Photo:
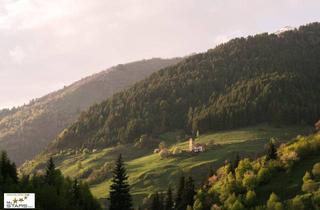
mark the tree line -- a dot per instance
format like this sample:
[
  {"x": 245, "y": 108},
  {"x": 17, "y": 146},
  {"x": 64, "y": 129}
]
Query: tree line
[{"x": 52, "y": 190}]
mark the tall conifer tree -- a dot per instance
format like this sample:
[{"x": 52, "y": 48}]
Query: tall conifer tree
[
  {"x": 120, "y": 198},
  {"x": 169, "y": 200}
]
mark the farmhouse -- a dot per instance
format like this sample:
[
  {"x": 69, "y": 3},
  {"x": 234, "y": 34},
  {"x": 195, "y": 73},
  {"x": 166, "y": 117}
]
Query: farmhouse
[{"x": 194, "y": 147}]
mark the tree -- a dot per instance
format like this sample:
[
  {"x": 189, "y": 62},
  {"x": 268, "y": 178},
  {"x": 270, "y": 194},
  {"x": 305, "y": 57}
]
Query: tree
[
  {"x": 274, "y": 202},
  {"x": 8, "y": 170},
  {"x": 189, "y": 193},
  {"x": 264, "y": 175},
  {"x": 120, "y": 197},
  {"x": 52, "y": 174},
  {"x": 297, "y": 204},
  {"x": 76, "y": 194},
  {"x": 169, "y": 200},
  {"x": 237, "y": 206},
  {"x": 155, "y": 204},
  {"x": 316, "y": 169},
  {"x": 249, "y": 180},
  {"x": 250, "y": 197},
  {"x": 309, "y": 185},
  {"x": 271, "y": 150},
  {"x": 235, "y": 163},
  {"x": 179, "y": 196}
]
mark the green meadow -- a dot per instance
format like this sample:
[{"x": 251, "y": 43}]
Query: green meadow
[{"x": 148, "y": 172}]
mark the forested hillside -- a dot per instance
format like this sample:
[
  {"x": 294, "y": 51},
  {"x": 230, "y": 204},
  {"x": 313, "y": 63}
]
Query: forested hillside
[
  {"x": 263, "y": 78},
  {"x": 26, "y": 130},
  {"x": 286, "y": 177}
]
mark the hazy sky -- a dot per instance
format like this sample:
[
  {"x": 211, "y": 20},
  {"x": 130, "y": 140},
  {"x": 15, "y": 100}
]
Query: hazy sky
[{"x": 45, "y": 44}]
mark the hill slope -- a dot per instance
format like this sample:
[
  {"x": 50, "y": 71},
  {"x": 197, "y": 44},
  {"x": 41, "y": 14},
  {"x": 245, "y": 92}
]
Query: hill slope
[
  {"x": 287, "y": 180},
  {"x": 263, "y": 78},
  {"x": 149, "y": 172},
  {"x": 25, "y": 131}
]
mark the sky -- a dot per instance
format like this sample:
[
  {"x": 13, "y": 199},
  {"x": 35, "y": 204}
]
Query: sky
[{"x": 46, "y": 44}]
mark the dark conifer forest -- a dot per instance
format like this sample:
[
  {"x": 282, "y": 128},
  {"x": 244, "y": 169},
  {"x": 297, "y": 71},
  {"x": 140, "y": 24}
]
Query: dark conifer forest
[{"x": 262, "y": 78}]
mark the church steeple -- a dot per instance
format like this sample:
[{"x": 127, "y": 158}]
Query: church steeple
[{"x": 191, "y": 144}]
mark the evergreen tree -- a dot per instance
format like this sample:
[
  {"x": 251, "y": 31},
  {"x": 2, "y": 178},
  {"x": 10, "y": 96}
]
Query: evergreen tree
[
  {"x": 120, "y": 198},
  {"x": 76, "y": 193},
  {"x": 179, "y": 197},
  {"x": 155, "y": 202},
  {"x": 51, "y": 173},
  {"x": 235, "y": 163},
  {"x": 189, "y": 193},
  {"x": 169, "y": 200},
  {"x": 271, "y": 150}
]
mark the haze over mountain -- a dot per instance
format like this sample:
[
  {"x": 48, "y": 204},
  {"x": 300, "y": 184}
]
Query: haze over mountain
[{"x": 25, "y": 131}]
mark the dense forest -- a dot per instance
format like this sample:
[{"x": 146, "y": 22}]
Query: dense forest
[
  {"x": 52, "y": 190},
  {"x": 263, "y": 78},
  {"x": 26, "y": 130}
]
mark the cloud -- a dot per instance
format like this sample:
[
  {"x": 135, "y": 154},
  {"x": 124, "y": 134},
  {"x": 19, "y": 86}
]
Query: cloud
[
  {"x": 26, "y": 14},
  {"x": 48, "y": 42},
  {"x": 17, "y": 54}
]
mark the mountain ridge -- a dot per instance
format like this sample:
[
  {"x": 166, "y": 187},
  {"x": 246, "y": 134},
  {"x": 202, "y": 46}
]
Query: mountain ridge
[
  {"x": 246, "y": 81},
  {"x": 42, "y": 119}
]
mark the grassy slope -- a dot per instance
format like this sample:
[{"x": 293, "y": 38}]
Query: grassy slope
[{"x": 148, "y": 172}]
